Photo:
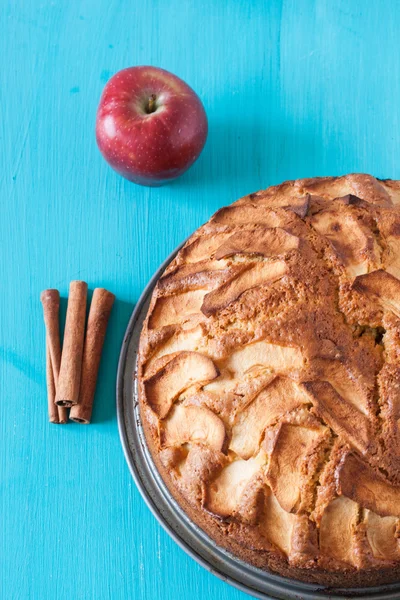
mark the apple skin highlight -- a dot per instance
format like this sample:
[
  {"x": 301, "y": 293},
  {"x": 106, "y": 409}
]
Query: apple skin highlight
[{"x": 150, "y": 125}]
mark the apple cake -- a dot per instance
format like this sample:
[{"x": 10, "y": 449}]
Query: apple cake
[{"x": 269, "y": 379}]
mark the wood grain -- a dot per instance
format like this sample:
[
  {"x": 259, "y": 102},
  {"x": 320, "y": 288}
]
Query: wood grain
[{"x": 292, "y": 89}]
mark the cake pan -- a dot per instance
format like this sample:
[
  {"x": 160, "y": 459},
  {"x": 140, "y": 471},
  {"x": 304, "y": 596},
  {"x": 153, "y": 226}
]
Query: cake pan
[{"x": 173, "y": 519}]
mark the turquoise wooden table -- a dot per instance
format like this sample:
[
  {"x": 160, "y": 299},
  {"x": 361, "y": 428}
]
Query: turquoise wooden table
[{"x": 292, "y": 88}]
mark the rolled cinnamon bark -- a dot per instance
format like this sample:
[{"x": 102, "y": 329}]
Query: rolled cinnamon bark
[
  {"x": 51, "y": 303},
  {"x": 51, "y": 388},
  {"x": 62, "y": 415},
  {"x": 71, "y": 360},
  {"x": 51, "y": 306},
  {"x": 99, "y": 314}
]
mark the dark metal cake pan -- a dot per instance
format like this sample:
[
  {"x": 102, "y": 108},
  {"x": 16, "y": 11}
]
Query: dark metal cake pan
[{"x": 167, "y": 511}]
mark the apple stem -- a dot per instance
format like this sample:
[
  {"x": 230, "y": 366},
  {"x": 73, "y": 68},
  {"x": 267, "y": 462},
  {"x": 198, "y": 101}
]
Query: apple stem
[{"x": 151, "y": 104}]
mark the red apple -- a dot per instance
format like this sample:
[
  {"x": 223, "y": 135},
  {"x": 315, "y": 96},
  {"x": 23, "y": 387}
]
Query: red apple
[{"x": 150, "y": 126}]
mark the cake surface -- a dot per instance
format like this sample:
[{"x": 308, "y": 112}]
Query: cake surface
[{"x": 269, "y": 379}]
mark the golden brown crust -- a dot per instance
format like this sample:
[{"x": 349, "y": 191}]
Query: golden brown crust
[{"x": 269, "y": 379}]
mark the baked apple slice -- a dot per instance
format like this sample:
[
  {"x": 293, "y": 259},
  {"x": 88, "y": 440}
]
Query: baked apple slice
[
  {"x": 343, "y": 418},
  {"x": 336, "y": 533},
  {"x": 183, "y": 340},
  {"x": 381, "y": 286},
  {"x": 277, "y": 525},
  {"x": 389, "y": 229},
  {"x": 278, "y": 398},
  {"x": 172, "y": 310},
  {"x": 354, "y": 243},
  {"x": 296, "y": 204},
  {"x": 203, "y": 246},
  {"x": 391, "y": 255},
  {"x": 182, "y": 372},
  {"x": 255, "y": 275},
  {"x": 192, "y": 424},
  {"x": 383, "y": 536},
  {"x": 242, "y": 214},
  {"x": 205, "y": 274},
  {"x": 224, "y": 493},
  {"x": 263, "y": 355},
  {"x": 361, "y": 483},
  {"x": 287, "y": 468},
  {"x": 294, "y": 535},
  {"x": 200, "y": 466},
  {"x": 259, "y": 240},
  {"x": 352, "y": 387}
]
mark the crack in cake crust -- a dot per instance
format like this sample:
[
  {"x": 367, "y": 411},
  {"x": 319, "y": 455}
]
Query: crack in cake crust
[{"x": 269, "y": 379}]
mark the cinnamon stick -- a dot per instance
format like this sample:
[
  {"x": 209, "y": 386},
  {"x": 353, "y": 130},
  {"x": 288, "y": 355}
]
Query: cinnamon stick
[
  {"x": 57, "y": 414},
  {"x": 51, "y": 303},
  {"x": 51, "y": 388},
  {"x": 51, "y": 306},
  {"x": 71, "y": 360},
  {"x": 99, "y": 314}
]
